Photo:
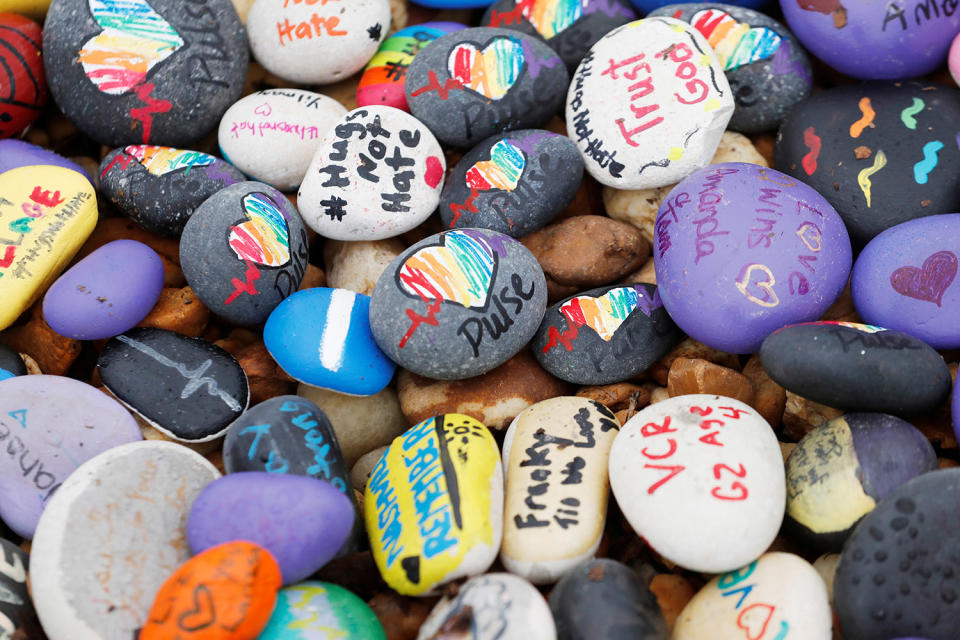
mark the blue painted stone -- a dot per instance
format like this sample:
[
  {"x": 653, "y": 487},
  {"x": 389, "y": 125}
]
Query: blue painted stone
[
  {"x": 322, "y": 337},
  {"x": 315, "y": 610},
  {"x": 17, "y": 153}
]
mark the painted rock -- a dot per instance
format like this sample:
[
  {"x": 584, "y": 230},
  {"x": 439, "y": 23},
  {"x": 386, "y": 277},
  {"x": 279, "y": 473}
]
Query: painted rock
[
  {"x": 434, "y": 504},
  {"x": 896, "y": 572},
  {"x": 145, "y": 71},
  {"x": 159, "y": 188},
  {"x": 881, "y": 153},
  {"x": 902, "y": 280},
  {"x": 454, "y": 4},
  {"x": 458, "y": 304},
  {"x": 874, "y": 39},
  {"x": 648, "y": 6},
  {"x": 472, "y": 84},
  {"x": 108, "y": 292},
  {"x": 46, "y": 214},
  {"x": 22, "y": 80},
  {"x": 224, "y": 593},
  {"x": 856, "y": 367},
  {"x": 300, "y": 520},
  {"x": 376, "y": 174},
  {"x": 953, "y": 59},
  {"x": 321, "y": 610},
  {"x": 697, "y": 463},
  {"x": 51, "y": 425},
  {"x": 289, "y": 39},
  {"x": 774, "y": 252},
  {"x": 19, "y": 153},
  {"x": 117, "y": 522},
  {"x": 11, "y": 363},
  {"x": 385, "y": 76},
  {"x": 513, "y": 182},
  {"x": 495, "y": 605},
  {"x": 555, "y": 456},
  {"x": 188, "y": 388},
  {"x": 605, "y": 335},
  {"x": 839, "y": 471},
  {"x": 569, "y": 27},
  {"x": 603, "y": 598},
  {"x": 271, "y": 135},
  {"x": 779, "y": 595},
  {"x": 17, "y": 617},
  {"x": 768, "y": 70},
  {"x": 648, "y": 104},
  {"x": 322, "y": 337},
  {"x": 243, "y": 251}
]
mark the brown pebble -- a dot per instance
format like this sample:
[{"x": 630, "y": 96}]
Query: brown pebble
[
  {"x": 620, "y": 396},
  {"x": 53, "y": 352},
  {"x": 313, "y": 277},
  {"x": 401, "y": 616},
  {"x": 690, "y": 348},
  {"x": 694, "y": 375},
  {"x": 178, "y": 310},
  {"x": 673, "y": 592},
  {"x": 800, "y": 416},
  {"x": 267, "y": 380},
  {"x": 769, "y": 398}
]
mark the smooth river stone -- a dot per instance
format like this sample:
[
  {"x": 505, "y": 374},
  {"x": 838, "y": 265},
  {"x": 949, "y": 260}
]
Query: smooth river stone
[
  {"x": 46, "y": 214},
  {"x": 108, "y": 292},
  {"x": 882, "y": 153},
  {"x": 648, "y": 104},
  {"x": 497, "y": 605},
  {"x": 700, "y": 463},
  {"x": 20, "y": 153},
  {"x": 51, "y": 425},
  {"x": 159, "y": 188},
  {"x": 856, "y": 367},
  {"x": 17, "y": 616},
  {"x": 25, "y": 87},
  {"x": 244, "y": 251},
  {"x": 271, "y": 135},
  {"x": 839, "y": 471},
  {"x": 471, "y": 84},
  {"x": 377, "y": 173},
  {"x": 320, "y": 610},
  {"x": 898, "y": 571},
  {"x": 604, "y": 598},
  {"x": 780, "y": 595},
  {"x": 187, "y": 388},
  {"x": 902, "y": 280},
  {"x": 605, "y": 335},
  {"x": 513, "y": 182},
  {"x": 774, "y": 253},
  {"x": 111, "y": 536},
  {"x": 555, "y": 456},
  {"x": 434, "y": 504},
  {"x": 458, "y": 304},
  {"x": 11, "y": 363}
]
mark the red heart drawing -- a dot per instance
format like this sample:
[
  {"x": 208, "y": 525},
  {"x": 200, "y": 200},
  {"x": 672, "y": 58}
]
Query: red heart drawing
[
  {"x": 755, "y": 624},
  {"x": 930, "y": 281}
]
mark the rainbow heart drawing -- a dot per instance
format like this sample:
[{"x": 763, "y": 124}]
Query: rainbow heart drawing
[
  {"x": 502, "y": 171},
  {"x": 460, "y": 271},
  {"x": 160, "y": 161},
  {"x": 490, "y": 71},
  {"x": 263, "y": 238},
  {"x": 735, "y": 43},
  {"x": 604, "y": 314},
  {"x": 135, "y": 38},
  {"x": 550, "y": 17}
]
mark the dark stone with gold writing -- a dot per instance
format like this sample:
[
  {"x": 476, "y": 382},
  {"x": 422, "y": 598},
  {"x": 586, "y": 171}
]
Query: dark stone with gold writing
[
  {"x": 11, "y": 364},
  {"x": 857, "y": 367},
  {"x": 17, "y": 617}
]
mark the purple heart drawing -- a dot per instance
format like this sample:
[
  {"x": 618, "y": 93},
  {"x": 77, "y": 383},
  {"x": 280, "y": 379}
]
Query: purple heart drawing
[{"x": 930, "y": 281}]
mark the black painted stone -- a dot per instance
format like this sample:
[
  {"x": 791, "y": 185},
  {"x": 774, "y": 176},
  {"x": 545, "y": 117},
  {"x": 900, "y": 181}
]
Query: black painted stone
[
  {"x": 606, "y": 599},
  {"x": 897, "y": 575},
  {"x": 856, "y": 369},
  {"x": 11, "y": 361},
  {"x": 637, "y": 341},
  {"x": 571, "y": 41},
  {"x": 239, "y": 265},
  {"x": 188, "y": 388},
  {"x": 545, "y": 173},
  {"x": 15, "y": 603},
  {"x": 764, "y": 90},
  {"x": 826, "y": 122},
  {"x": 159, "y": 199},
  {"x": 182, "y": 95},
  {"x": 461, "y": 116}
]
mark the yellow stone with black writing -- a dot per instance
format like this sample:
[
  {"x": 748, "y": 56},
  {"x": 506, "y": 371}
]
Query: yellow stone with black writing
[
  {"x": 434, "y": 504},
  {"x": 46, "y": 214}
]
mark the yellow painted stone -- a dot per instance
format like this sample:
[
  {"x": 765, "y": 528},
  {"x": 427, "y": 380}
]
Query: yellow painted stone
[
  {"x": 35, "y": 9},
  {"x": 434, "y": 504},
  {"x": 46, "y": 214}
]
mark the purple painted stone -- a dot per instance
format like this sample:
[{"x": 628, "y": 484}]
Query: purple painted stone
[
  {"x": 301, "y": 520},
  {"x": 49, "y": 426},
  {"x": 741, "y": 251},
  {"x": 108, "y": 292},
  {"x": 874, "y": 39},
  {"x": 905, "y": 280},
  {"x": 17, "y": 153}
]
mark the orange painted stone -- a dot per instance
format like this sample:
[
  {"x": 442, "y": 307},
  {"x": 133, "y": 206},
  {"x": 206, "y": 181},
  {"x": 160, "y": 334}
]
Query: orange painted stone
[{"x": 225, "y": 593}]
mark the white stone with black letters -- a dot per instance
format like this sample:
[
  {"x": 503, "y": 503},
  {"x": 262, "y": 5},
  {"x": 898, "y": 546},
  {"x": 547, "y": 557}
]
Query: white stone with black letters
[{"x": 648, "y": 104}]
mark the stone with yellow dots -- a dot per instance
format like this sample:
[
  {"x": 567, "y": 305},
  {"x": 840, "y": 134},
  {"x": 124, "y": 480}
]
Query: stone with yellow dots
[
  {"x": 323, "y": 611},
  {"x": 46, "y": 214},
  {"x": 434, "y": 504}
]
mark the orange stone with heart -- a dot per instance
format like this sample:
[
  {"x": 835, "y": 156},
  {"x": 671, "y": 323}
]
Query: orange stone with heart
[{"x": 225, "y": 593}]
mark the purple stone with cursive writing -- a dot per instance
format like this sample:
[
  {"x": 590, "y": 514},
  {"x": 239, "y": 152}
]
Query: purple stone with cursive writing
[{"x": 741, "y": 250}]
